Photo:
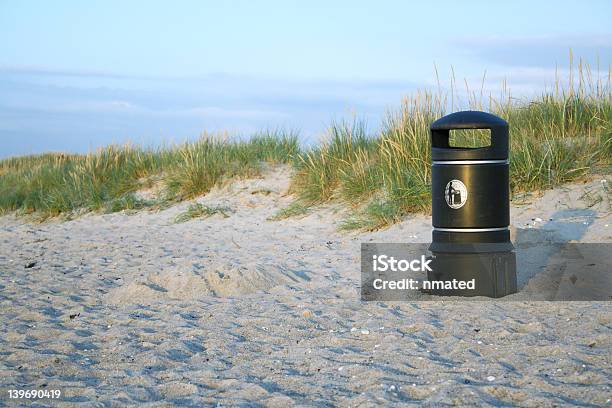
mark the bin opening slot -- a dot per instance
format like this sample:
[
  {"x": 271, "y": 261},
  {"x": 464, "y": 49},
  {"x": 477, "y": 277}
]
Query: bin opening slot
[{"x": 469, "y": 138}]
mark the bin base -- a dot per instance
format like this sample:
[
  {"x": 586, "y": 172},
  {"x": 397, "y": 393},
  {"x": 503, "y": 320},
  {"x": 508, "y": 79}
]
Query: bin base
[{"x": 493, "y": 274}]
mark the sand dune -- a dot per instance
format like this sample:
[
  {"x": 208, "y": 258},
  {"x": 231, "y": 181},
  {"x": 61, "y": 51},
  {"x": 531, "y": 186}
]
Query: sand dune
[{"x": 136, "y": 309}]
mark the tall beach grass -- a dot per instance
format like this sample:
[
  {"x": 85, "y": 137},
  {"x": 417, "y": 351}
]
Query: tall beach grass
[
  {"x": 557, "y": 137},
  {"x": 52, "y": 184},
  {"x": 561, "y": 135}
]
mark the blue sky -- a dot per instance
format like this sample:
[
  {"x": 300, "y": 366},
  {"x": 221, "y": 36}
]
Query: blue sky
[{"x": 76, "y": 75}]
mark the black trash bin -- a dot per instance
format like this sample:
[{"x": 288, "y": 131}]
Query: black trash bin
[{"x": 471, "y": 209}]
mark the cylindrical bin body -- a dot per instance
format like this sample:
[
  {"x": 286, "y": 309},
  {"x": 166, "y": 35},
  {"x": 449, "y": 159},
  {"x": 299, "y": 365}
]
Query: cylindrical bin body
[{"x": 471, "y": 208}]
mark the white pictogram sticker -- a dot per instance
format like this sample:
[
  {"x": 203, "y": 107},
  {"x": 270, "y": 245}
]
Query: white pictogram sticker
[{"x": 456, "y": 194}]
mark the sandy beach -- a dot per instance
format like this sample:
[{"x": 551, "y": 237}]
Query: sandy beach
[{"x": 238, "y": 310}]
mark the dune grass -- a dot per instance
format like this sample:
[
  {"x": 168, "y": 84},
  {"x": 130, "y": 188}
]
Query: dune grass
[
  {"x": 557, "y": 137},
  {"x": 294, "y": 209},
  {"x": 106, "y": 180},
  {"x": 198, "y": 210}
]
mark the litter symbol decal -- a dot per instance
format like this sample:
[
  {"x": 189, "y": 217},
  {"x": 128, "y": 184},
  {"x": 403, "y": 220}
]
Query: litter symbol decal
[{"x": 456, "y": 194}]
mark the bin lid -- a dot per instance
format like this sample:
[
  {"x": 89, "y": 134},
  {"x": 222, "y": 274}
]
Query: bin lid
[
  {"x": 469, "y": 120},
  {"x": 440, "y": 133}
]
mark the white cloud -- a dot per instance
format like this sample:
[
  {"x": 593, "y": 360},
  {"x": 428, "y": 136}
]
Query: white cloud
[
  {"x": 122, "y": 107},
  {"x": 543, "y": 51},
  {"x": 217, "y": 112}
]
